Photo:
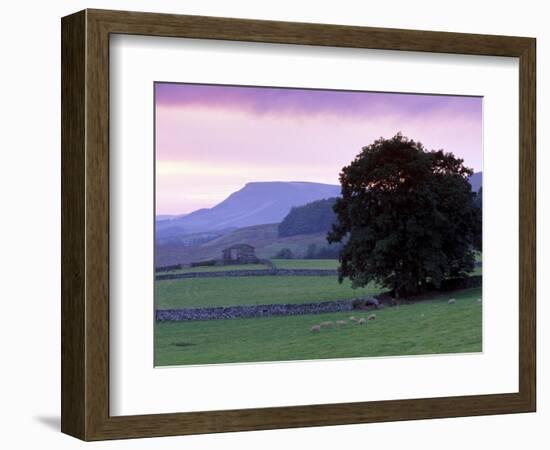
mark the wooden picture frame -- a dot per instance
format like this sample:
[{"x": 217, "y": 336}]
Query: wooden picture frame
[{"x": 85, "y": 224}]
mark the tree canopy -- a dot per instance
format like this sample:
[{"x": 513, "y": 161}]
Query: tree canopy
[
  {"x": 314, "y": 217},
  {"x": 407, "y": 217}
]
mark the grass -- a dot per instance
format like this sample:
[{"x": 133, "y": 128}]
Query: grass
[
  {"x": 427, "y": 327},
  {"x": 306, "y": 263},
  {"x": 265, "y": 239},
  {"x": 231, "y": 291},
  {"x": 279, "y": 263},
  {"x": 478, "y": 270},
  {"x": 218, "y": 268},
  {"x": 333, "y": 264}
]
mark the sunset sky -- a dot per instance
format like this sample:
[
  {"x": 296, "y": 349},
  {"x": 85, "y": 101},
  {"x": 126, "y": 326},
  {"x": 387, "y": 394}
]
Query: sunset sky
[{"x": 211, "y": 140}]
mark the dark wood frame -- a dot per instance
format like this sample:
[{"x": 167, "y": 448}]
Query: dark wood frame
[{"x": 85, "y": 224}]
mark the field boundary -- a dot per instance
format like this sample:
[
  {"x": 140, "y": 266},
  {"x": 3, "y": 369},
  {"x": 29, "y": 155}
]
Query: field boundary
[
  {"x": 250, "y": 311},
  {"x": 250, "y": 273}
]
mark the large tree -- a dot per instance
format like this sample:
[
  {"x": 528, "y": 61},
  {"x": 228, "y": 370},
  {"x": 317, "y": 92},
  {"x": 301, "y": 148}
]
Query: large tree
[{"x": 407, "y": 217}]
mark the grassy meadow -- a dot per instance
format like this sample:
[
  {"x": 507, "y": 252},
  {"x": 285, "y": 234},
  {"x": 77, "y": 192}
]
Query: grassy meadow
[
  {"x": 201, "y": 269},
  {"x": 428, "y": 327},
  {"x": 231, "y": 291},
  {"x": 330, "y": 264}
]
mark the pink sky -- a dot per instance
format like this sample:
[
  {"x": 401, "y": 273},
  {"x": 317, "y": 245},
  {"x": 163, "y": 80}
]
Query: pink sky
[{"x": 211, "y": 140}]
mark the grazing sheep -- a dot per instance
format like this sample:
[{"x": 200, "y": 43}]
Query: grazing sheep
[
  {"x": 362, "y": 321},
  {"x": 353, "y": 318},
  {"x": 341, "y": 323},
  {"x": 451, "y": 301},
  {"x": 327, "y": 324},
  {"x": 371, "y": 317},
  {"x": 315, "y": 328}
]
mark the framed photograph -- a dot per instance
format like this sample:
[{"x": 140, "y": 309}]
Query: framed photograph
[{"x": 273, "y": 225}]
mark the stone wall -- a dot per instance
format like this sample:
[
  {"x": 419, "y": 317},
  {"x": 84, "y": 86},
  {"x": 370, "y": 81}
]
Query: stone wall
[
  {"x": 242, "y": 312},
  {"x": 168, "y": 268},
  {"x": 250, "y": 273},
  {"x": 208, "y": 262},
  {"x": 249, "y": 311}
]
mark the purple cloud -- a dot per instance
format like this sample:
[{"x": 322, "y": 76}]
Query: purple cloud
[
  {"x": 282, "y": 101},
  {"x": 211, "y": 139}
]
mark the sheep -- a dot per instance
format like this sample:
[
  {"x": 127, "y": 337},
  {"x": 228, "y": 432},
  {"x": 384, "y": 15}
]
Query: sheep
[
  {"x": 341, "y": 323},
  {"x": 353, "y": 318},
  {"x": 327, "y": 324},
  {"x": 362, "y": 321},
  {"x": 451, "y": 301},
  {"x": 315, "y": 328},
  {"x": 371, "y": 317}
]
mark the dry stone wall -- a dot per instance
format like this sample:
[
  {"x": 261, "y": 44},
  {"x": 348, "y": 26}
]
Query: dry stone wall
[
  {"x": 242, "y": 312},
  {"x": 250, "y": 273}
]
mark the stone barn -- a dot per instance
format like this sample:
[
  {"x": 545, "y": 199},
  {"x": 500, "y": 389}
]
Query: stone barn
[{"x": 239, "y": 254}]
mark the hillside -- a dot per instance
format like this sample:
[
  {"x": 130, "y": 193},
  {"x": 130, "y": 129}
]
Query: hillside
[
  {"x": 203, "y": 234},
  {"x": 476, "y": 181},
  {"x": 314, "y": 217},
  {"x": 255, "y": 204},
  {"x": 264, "y": 238}
]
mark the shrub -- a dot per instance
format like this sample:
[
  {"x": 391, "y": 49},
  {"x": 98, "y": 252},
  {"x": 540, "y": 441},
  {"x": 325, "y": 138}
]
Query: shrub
[{"x": 284, "y": 253}]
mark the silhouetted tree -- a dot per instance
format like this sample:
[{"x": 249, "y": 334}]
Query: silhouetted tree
[
  {"x": 478, "y": 236},
  {"x": 406, "y": 217}
]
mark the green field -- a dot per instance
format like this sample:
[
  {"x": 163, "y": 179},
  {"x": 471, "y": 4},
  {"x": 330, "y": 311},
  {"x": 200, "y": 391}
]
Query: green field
[
  {"x": 477, "y": 271},
  {"x": 232, "y": 291},
  {"x": 306, "y": 263},
  {"x": 279, "y": 264},
  {"x": 427, "y": 327},
  {"x": 218, "y": 268}
]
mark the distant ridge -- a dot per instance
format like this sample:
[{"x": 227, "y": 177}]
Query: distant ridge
[
  {"x": 255, "y": 204},
  {"x": 476, "y": 181}
]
